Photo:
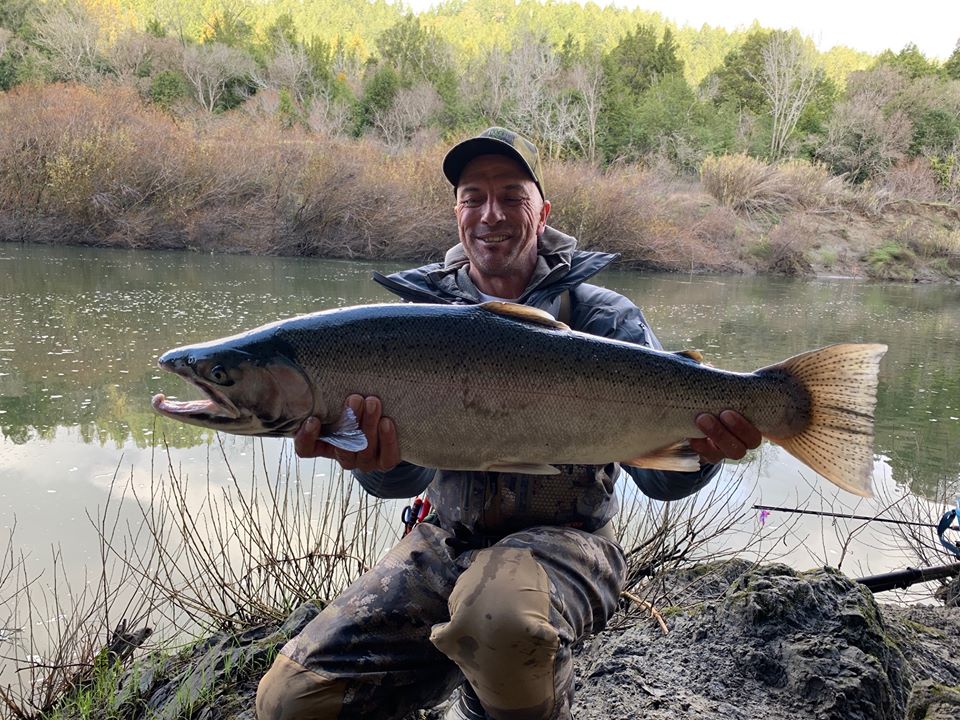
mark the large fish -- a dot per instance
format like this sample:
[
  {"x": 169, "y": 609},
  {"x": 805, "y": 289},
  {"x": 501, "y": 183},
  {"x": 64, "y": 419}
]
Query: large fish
[{"x": 506, "y": 387}]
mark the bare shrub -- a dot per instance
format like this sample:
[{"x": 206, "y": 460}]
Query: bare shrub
[
  {"x": 912, "y": 180},
  {"x": 327, "y": 115},
  {"x": 650, "y": 218},
  {"x": 809, "y": 184},
  {"x": 290, "y": 68},
  {"x": 867, "y": 133},
  {"x": 357, "y": 200},
  {"x": 136, "y": 55},
  {"x": 70, "y": 37},
  {"x": 788, "y": 244},
  {"x": 748, "y": 185},
  {"x": 65, "y": 631},
  {"x": 212, "y": 67},
  {"x": 171, "y": 568},
  {"x": 411, "y": 109},
  {"x": 744, "y": 184}
]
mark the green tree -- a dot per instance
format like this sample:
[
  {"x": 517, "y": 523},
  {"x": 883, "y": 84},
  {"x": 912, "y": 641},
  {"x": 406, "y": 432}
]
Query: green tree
[
  {"x": 167, "y": 87},
  {"x": 909, "y": 61},
  {"x": 379, "y": 92},
  {"x": 413, "y": 51},
  {"x": 935, "y": 133},
  {"x": 952, "y": 66},
  {"x": 631, "y": 68},
  {"x": 735, "y": 83},
  {"x": 282, "y": 30},
  {"x": 229, "y": 25}
]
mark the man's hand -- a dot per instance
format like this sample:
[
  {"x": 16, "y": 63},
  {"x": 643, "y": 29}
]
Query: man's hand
[
  {"x": 382, "y": 452},
  {"x": 728, "y": 435}
]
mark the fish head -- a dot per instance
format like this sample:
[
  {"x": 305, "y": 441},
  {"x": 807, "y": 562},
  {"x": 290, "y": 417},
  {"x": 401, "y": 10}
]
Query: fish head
[{"x": 246, "y": 393}]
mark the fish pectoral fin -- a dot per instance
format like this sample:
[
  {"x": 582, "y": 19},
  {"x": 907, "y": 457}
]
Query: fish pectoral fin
[
  {"x": 679, "y": 457},
  {"x": 346, "y": 433},
  {"x": 524, "y": 313},
  {"x": 523, "y": 468}
]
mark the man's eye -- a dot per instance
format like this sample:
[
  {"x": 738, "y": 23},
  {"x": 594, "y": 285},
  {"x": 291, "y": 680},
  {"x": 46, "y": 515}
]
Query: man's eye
[{"x": 470, "y": 202}]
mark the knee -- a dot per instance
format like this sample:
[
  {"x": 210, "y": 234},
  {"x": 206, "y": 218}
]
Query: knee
[
  {"x": 290, "y": 691},
  {"x": 502, "y": 603}
]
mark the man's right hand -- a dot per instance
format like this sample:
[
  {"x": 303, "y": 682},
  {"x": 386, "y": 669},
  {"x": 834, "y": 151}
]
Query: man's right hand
[{"x": 382, "y": 451}]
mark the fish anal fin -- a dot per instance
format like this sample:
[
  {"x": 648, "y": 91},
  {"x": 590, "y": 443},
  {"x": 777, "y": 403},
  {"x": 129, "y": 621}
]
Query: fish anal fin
[
  {"x": 678, "y": 457},
  {"x": 523, "y": 468},
  {"x": 840, "y": 382},
  {"x": 524, "y": 313}
]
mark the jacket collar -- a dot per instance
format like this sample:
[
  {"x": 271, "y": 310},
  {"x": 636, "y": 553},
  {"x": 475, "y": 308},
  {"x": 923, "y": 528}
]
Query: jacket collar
[{"x": 560, "y": 266}]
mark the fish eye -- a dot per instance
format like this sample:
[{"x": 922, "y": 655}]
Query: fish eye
[{"x": 219, "y": 375}]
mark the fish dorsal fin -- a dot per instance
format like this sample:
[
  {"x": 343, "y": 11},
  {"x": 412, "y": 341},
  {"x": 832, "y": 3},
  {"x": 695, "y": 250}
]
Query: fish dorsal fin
[
  {"x": 694, "y": 355},
  {"x": 524, "y": 313}
]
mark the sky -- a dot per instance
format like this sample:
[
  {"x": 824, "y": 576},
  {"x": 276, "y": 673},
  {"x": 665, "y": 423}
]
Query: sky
[{"x": 932, "y": 25}]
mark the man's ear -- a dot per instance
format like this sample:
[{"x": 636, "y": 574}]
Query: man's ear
[{"x": 544, "y": 214}]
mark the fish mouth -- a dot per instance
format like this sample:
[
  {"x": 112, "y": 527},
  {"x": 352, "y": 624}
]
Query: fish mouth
[{"x": 215, "y": 407}]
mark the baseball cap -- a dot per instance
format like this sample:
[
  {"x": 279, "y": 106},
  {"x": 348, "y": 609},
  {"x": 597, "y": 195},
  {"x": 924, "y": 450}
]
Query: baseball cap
[{"x": 494, "y": 141}]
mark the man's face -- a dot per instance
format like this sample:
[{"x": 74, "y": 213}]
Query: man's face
[{"x": 500, "y": 215}]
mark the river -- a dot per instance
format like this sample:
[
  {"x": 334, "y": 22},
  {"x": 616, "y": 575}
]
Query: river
[{"x": 82, "y": 329}]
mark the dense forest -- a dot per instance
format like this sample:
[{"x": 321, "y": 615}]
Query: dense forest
[{"x": 759, "y": 118}]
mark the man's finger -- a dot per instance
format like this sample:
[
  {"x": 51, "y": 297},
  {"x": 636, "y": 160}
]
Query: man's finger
[
  {"x": 389, "y": 445},
  {"x": 726, "y": 442},
  {"x": 743, "y": 429},
  {"x": 707, "y": 451},
  {"x": 369, "y": 424},
  {"x": 305, "y": 441}
]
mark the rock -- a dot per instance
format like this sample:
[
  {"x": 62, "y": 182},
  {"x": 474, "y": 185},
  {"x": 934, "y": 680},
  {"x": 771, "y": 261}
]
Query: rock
[{"x": 932, "y": 701}]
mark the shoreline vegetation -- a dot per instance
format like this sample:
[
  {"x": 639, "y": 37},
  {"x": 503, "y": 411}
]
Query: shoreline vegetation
[{"x": 98, "y": 167}]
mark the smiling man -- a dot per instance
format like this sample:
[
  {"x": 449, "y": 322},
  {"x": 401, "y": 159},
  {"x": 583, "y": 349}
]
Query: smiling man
[{"x": 493, "y": 593}]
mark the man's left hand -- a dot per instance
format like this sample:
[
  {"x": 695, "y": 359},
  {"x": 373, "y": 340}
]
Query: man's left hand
[{"x": 728, "y": 435}]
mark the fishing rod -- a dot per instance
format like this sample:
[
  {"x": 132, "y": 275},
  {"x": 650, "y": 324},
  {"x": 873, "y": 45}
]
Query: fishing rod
[
  {"x": 822, "y": 513},
  {"x": 905, "y": 578}
]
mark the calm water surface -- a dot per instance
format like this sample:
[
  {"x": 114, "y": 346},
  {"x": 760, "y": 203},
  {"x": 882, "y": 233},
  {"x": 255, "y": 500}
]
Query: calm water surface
[{"x": 82, "y": 329}]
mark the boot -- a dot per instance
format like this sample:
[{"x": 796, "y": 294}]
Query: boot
[{"x": 467, "y": 706}]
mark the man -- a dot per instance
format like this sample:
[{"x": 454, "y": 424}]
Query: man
[{"x": 517, "y": 567}]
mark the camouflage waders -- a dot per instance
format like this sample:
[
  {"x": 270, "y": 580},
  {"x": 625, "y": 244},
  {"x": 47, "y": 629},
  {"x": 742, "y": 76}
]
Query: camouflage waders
[{"x": 437, "y": 609}]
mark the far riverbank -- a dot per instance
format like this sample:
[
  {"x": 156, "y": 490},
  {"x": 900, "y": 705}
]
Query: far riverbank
[{"x": 81, "y": 168}]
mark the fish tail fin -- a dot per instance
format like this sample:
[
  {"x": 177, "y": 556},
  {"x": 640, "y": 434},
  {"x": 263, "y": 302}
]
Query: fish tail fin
[{"x": 841, "y": 381}]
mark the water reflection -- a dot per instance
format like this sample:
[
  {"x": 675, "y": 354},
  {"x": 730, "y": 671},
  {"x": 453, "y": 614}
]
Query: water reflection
[{"x": 83, "y": 329}]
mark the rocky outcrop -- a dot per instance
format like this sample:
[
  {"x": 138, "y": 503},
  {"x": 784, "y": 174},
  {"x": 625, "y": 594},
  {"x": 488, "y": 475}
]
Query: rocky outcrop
[{"x": 743, "y": 642}]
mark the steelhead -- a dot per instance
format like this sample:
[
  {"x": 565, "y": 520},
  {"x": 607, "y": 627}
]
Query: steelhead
[{"x": 505, "y": 387}]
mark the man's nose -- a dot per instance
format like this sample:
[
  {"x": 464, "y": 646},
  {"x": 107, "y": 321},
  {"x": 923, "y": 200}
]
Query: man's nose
[{"x": 492, "y": 212}]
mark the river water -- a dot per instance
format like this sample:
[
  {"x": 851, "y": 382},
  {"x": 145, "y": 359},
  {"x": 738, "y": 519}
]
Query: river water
[{"x": 82, "y": 329}]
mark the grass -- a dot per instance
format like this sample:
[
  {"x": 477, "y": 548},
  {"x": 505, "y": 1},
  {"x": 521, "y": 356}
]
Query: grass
[{"x": 891, "y": 261}]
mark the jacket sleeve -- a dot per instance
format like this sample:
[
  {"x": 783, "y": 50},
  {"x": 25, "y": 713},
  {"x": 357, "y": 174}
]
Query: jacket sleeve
[
  {"x": 602, "y": 312},
  {"x": 668, "y": 485},
  {"x": 404, "y": 481}
]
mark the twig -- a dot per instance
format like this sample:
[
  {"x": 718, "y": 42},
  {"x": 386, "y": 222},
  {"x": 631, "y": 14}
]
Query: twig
[{"x": 654, "y": 613}]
